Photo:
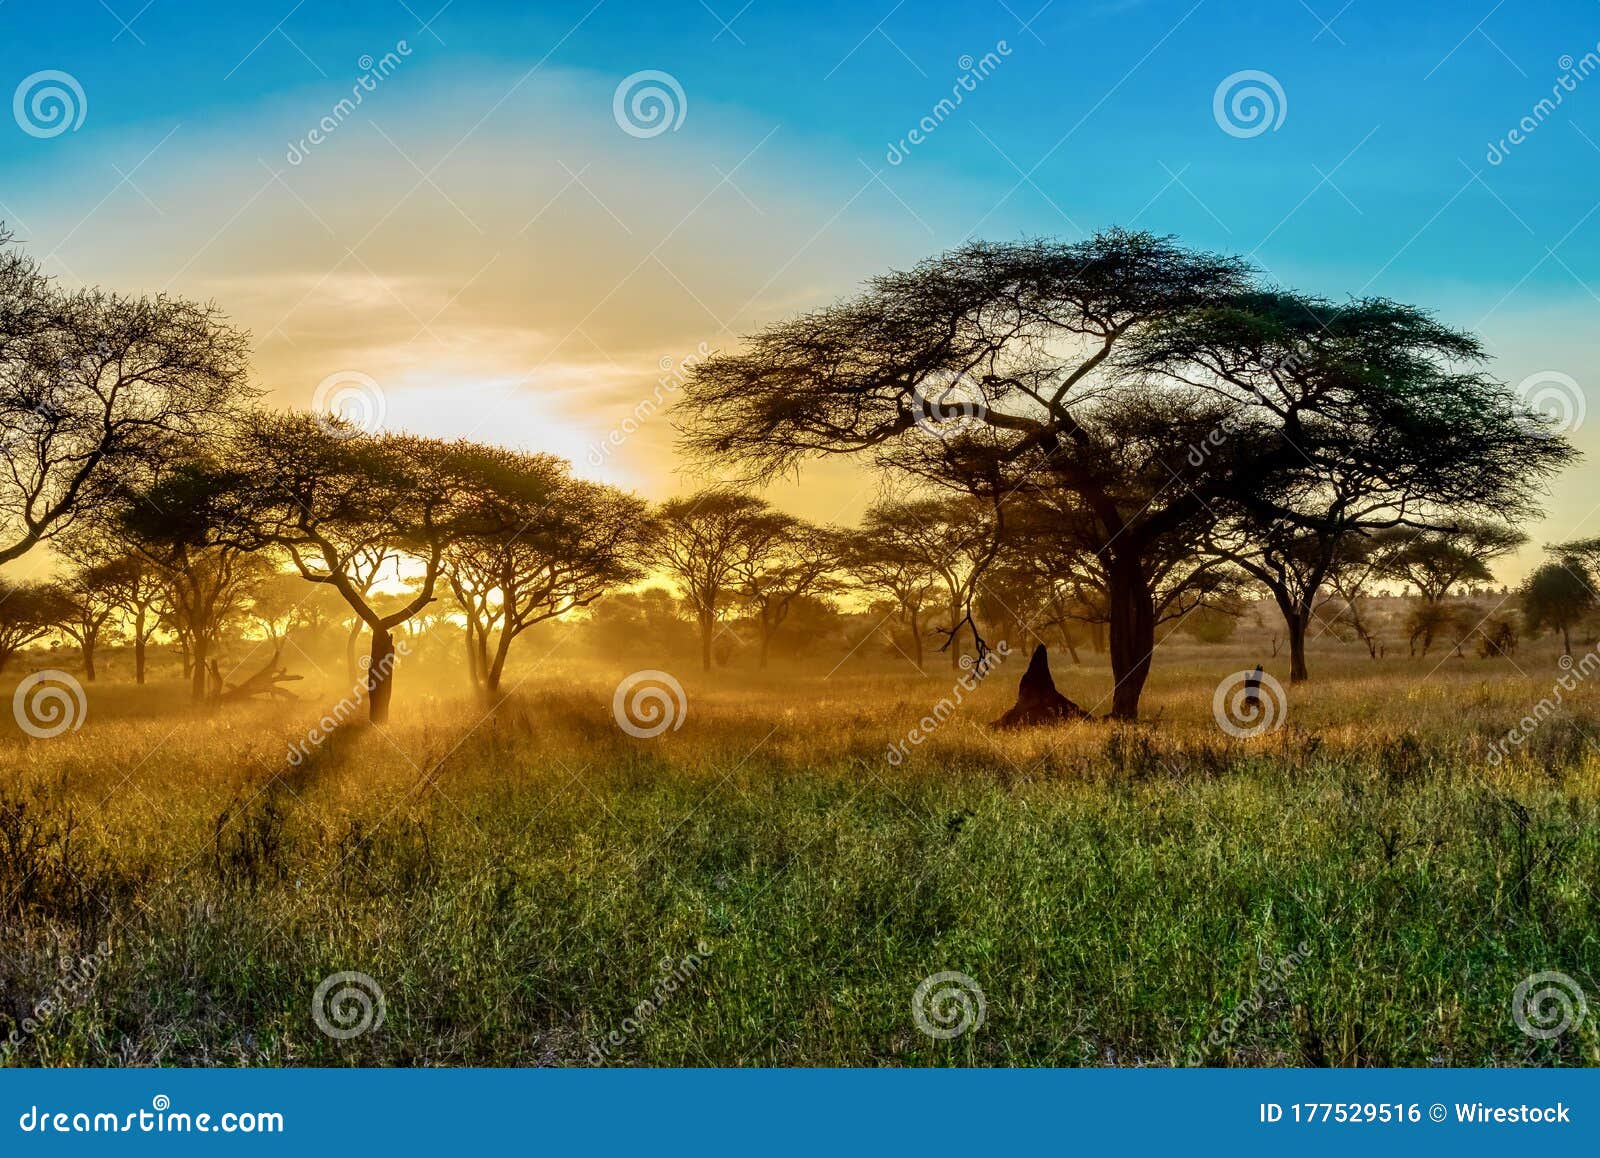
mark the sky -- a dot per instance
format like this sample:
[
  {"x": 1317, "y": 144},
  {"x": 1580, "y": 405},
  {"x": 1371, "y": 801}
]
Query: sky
[{"x": 534, "y": 215}]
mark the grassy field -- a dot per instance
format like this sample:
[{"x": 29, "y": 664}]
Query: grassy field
[{"x": 762, "y": 886}]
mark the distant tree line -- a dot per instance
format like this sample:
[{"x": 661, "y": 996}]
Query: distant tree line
[{"x": 1091, "y": 440}]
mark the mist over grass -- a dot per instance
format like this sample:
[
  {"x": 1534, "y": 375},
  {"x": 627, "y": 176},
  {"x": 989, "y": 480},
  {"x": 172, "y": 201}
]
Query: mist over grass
[{"x": 519, "y": 880}]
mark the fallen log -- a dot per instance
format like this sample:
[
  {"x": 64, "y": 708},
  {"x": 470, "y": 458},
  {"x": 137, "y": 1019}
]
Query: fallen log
[
  {"x": 1038, "y": 702},
  {"x": 263, "y": 683}
]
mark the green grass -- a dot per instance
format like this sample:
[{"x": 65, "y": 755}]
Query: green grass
[{"x": 514, "y": 882}]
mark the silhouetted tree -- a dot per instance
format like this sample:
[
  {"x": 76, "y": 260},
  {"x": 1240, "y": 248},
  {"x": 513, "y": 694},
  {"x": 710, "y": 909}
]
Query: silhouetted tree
[
  {"x": 698, "y": 541},
  {"x": 329, "y": 498},
  {"x": 28, "y": 613},
  {"x": 1031, "y": 357},
  {"x": 1436, "y": 559},
  {"x": 550, "y": 544},
  {"x": 1556, "y": 597},
  {"x": 95, "y": 390}
]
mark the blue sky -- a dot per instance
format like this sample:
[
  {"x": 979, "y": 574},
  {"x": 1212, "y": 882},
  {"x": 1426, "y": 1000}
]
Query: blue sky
[{"x": 543, "y": 254}]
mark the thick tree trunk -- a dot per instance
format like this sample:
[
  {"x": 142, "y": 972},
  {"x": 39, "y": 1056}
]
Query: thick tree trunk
[
  {"x": 87, "y": 648},
  {"x": 955, "y": 638},
  {"x": 1566, "y": 642},
  {"x": 1296, "y": 621},
  {"x": 380, "y": 675},
  {"x": 1133, "y": 635}
]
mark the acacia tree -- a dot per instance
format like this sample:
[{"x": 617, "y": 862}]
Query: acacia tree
[
  {"x": 698, "y": 541},
  {"x": 874, "y": 561},
  {"x": 1396, "y": 434},
  {"x": 86, "y": 598},
  {"x": 1436, "y": 559},
  {"x": 97, "y": 389},
  {"x": 778, "y": 565},
  {"x": 328, "y": 497},
  {"x": 1556, "y": 597},
  {"x": 28, "y": 613},
  {"x": 1047, "y": 345},
  {"x": 177, "y": 527},
  {"x": 952, "y": 539},
  {"x": 547, "y": 544}
]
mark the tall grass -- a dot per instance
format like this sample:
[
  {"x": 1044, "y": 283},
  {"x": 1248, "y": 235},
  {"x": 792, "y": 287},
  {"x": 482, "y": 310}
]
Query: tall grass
[{"x": 520, "y": 882}]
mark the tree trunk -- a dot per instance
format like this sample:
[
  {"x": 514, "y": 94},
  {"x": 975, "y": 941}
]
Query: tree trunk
[
  {"x": 1066, "y": 640},
  {"x": 1566, "y": 642},
  {"x": 1132, "y": 632},
  {"x": 380, "y": 675},
  {"x": 1296, "y": 620},
  {"x": 138, "y": 647},
  {"x": 955, "y": 637},
  {"x": 766, "y": 647},
  {"x": 350, "y": 650},
  {"x": 473, "y": 669},
  {"x": 87, "y": 648},
  {"x": 916, "y": 638},
  {"x": 708, "y": 623},
  {"x": 199, "y": 647}
]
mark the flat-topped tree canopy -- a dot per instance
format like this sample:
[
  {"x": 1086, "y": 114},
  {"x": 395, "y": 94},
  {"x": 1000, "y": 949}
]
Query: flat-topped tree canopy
[{"x": 1160, "y": 387}]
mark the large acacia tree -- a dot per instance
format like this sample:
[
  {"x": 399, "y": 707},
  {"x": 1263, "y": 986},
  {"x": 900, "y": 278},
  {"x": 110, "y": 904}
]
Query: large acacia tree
[
  {"x": 330, "y": 498},
  {"x": 1050, "y": 346},
  {"x": 1389, "y": 427},
  {"x": 96, "y": 391}
]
